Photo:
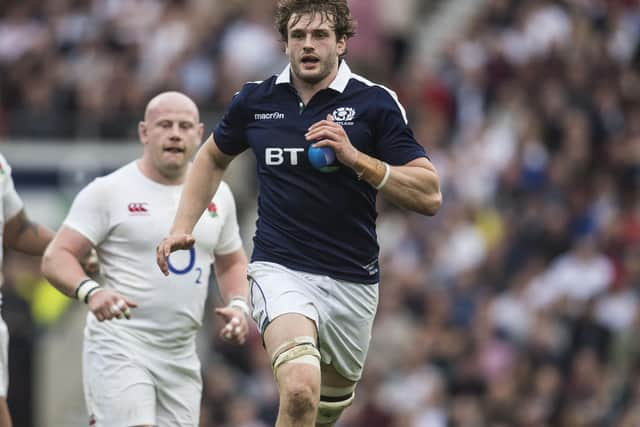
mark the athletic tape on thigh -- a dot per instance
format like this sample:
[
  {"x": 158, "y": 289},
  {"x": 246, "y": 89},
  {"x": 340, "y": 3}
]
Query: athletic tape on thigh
[
  {"x": 334, "y": 400},
  {"x": 329, "y": 391},
  {"x": 297, "y": 350}
]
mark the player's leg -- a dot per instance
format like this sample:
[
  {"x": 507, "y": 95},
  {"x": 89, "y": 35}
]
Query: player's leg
[
  {"x": 346, "y": 321},
  {"x": 336, "y": 394},
  {"x": 290, "y": 340},
  {"x": 284, "y": 309},
  {"x": 5, "y": 416}
]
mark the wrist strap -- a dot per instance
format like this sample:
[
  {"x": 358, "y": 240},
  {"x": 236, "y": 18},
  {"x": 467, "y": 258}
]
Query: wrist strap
[
  {"x": 240, "y": 304},
  {"x": 385, "y": 178},
  {"x": 86, "y": 288},
  {"x": 372, "y": 170}
]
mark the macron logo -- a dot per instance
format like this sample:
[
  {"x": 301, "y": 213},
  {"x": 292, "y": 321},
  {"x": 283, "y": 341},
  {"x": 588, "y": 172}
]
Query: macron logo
[{"x": 269, "y": 116}]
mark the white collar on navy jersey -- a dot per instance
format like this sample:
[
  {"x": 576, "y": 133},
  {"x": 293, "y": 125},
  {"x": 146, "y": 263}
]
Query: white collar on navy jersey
[{"x": 339, "y": 83}]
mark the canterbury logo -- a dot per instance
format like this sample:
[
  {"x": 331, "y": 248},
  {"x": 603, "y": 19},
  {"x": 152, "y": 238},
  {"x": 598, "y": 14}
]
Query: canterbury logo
[{"x": 138, "y": 208}]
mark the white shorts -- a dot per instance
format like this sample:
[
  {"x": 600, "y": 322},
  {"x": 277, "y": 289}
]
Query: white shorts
[
  {"x": 4, "y": 359},
  {"x": 342, "y": 311},
  {"x": 130, "y": 385}
]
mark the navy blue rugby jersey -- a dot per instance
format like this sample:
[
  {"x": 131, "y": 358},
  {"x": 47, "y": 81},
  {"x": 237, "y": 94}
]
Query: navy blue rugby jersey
[{"x": 309, "y": 220}]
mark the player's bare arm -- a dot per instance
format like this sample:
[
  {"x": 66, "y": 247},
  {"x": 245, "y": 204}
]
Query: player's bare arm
[
  {"x": 61, "y": 265},
  {"x": 31, "y": 238},
  {"x": 24, "y": 235},
  {"x": 231, "y": 273},
  {"x": 414, "y": 186},
  {"x": 200, "y": 185}
]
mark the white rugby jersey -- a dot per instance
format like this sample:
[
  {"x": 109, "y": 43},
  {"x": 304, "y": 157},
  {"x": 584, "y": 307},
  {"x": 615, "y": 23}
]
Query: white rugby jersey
[
  {"x": 11, "y": 203},
  {"x": 125, "y": 215}
]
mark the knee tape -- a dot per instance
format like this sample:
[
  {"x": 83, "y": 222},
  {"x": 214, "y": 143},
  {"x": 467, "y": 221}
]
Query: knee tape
[
  {"x": 334, "y": 400},
  {"x": 297, "y": 350}
]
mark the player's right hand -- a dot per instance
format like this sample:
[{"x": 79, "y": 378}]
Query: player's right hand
[
  {"x": 236, "y": 326},
  {"x": 108, "y": 304},
  {"x": 172, "y": 243}
]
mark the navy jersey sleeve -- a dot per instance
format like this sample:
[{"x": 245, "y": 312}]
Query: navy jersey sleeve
[
  {"x": 230, "y": 134},
  {"x": 395, "y": 142}
]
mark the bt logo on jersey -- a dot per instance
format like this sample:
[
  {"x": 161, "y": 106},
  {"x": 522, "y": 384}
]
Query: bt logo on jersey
[{"x": 274, "y": 156}]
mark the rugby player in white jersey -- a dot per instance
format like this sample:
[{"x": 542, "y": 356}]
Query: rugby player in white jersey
[
  {"x": 18, "y": 233},
  {"x": 139, "y": 360}
]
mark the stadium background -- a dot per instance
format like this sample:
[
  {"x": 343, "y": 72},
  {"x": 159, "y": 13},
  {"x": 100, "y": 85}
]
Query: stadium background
[{"x": 516, "y": 305}]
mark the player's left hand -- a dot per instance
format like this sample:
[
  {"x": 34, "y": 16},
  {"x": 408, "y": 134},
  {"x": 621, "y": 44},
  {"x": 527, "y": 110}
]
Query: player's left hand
[
  {"x": 328, "y": 133},
  {"x": 236, "y": 325}
]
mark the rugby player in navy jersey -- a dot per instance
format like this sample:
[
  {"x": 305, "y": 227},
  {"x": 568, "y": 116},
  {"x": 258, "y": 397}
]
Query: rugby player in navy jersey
[{"x": 314, "y": 270}]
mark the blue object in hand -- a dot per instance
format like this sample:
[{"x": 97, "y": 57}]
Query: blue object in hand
[{"x": 321, "y": 157}]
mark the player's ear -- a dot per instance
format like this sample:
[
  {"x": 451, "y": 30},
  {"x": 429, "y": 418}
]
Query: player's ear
[
  {"x": 142, "y": 132},
  {"x": 342, "y": 45},
  {"x": 200, "y": 131}
]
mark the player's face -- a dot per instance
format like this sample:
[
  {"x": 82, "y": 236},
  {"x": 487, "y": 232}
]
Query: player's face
[
  {"x": 170, "y": 137},
  {"x": 313, "y": 48}
]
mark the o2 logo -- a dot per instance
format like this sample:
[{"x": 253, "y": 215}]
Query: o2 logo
[{"x": 189, "y": 266}]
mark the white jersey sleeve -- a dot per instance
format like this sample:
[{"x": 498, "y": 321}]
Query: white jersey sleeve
[
  {"x": 229, "y": 240},
  {"x": 89, "y": 214},
  {"x": 11, "y": 202}
]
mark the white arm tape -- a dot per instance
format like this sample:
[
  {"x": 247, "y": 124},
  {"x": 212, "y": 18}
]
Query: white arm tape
[
  {"x": 85, "y": 288},
  {"x": 240, "y": 304},
  {"x": 385, "y": 178}
]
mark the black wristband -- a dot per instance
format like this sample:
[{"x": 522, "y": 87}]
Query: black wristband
[{"x": 86, "y": 298}]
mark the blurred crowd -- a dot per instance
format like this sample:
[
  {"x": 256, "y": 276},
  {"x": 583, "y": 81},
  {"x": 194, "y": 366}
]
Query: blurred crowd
[
  {"x": 517, "y": 305},
  {"x": 75, "y": 69}
]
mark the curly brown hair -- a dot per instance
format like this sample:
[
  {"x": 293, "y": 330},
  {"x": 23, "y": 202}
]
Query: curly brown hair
[{"x": 335, "y": 11}]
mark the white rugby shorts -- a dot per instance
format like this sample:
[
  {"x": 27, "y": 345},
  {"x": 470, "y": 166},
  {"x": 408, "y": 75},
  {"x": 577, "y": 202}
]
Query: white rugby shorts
[
  {"x": 129, "y": 385},
  {"x": 343, "y": 312},
  {"x": 4, "y": 358}
]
